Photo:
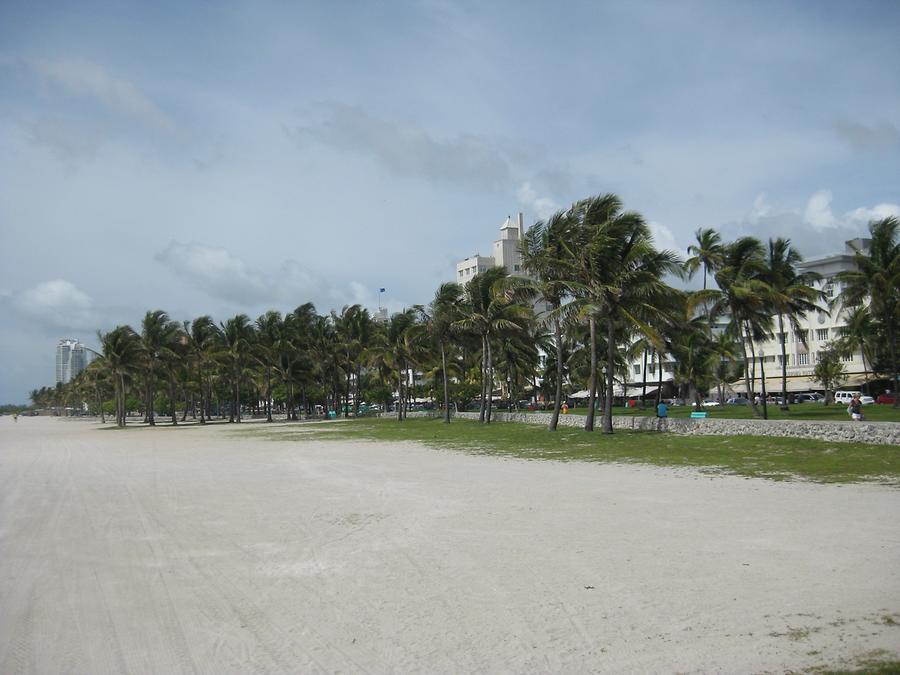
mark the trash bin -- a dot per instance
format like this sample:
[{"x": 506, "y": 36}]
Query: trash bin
[{"x": 332, "y": 414}]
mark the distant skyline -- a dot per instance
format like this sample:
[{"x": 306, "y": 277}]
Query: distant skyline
[{"x": 218, "y": 158}]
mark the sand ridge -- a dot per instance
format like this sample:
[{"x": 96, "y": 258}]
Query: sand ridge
[{"x": 204, "y": 551}]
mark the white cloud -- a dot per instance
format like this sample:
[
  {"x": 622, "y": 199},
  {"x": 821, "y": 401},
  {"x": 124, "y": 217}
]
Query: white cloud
[
  {"x": 542, "y": 207},
  {"x": 878, "y": 212},
  {"x": 663, "y": 237},
  {"x": 761, "y": 208},
  {"x": 84, "y": 78},
  {"x": 57, "y": 304},
  {"x": 818, "y": 210},
  {"x": 223, "y": 275}
]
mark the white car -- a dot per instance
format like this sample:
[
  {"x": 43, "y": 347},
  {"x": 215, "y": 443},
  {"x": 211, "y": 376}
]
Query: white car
[{"x": 710, "y": 404}]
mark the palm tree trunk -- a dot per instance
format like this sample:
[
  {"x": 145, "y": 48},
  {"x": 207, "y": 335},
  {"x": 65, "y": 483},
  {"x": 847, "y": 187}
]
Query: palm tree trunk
[
  {"x": 490, "y": 381},
  {"x": 557, "y": 403},
  {"x": 357, "y": 388},
  {"x": 268, "y": 395},
  {"x": 783, "y": 339},
  {"x": 400, "y": 395},
  {"x": 202, "y": 394},
  {"x": 750, "y": 400},
  {"x": 659, "y": 382},
  {"x": 610, "y": 360},
  {"x": 122, "y": 400},
  {"x": 483, "y": 377},
  {"x": 892, "y": 341},
  {"x": 173, "y": 388},
  {"x": 589, "y": 419},
  {"x": 644, "y": 379},
  {"x": 446, "y": 384}
]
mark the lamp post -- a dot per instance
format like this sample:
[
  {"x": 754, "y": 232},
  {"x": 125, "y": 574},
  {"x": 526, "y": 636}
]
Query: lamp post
[{"x": 762, "y": 373}]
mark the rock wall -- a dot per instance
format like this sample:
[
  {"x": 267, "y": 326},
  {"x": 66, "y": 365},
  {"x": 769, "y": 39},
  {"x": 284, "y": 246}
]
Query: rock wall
[{"x": 887, "y": 433}]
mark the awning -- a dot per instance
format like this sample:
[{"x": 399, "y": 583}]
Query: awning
[{"x": 630, "y": 392}]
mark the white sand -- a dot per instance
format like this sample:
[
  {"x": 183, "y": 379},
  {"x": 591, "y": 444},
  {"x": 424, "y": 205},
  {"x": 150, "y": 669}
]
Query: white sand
[{"x": 194, "y": 550}]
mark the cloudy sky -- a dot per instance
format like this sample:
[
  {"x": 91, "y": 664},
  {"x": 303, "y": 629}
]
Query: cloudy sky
[{"x": 226, "y": 157}]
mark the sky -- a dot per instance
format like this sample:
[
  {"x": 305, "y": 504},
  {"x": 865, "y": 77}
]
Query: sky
[{"x": 233, "y": 157}]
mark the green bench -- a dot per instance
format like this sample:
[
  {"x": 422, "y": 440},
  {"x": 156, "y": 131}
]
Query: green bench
[{"x": 698, "y": 415}]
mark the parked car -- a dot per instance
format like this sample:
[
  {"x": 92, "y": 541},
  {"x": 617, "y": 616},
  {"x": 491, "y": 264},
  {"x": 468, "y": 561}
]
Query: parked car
[
  {"x": 808, "y": 398},
  {"x": 709, "y": 403},
  {"x": 737, "y": 400},
  {"x": 886, "y": 399}
]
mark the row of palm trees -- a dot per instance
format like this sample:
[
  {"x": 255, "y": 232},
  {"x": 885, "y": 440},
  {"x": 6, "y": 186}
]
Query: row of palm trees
[{"x": 604, "y": 295}]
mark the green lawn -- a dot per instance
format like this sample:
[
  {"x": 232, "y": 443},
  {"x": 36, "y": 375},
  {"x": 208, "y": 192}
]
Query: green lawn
[
  {"x": 751, "y": 456},
  {"x": 803, "y": 411}
]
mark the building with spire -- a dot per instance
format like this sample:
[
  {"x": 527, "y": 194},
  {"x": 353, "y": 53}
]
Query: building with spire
[{"x": 506, "y": 253}]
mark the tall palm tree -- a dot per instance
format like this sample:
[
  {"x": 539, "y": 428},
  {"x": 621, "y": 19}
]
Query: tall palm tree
[
  {"x": 269, "y": 330},
  {"x": 619, "y": 280},
  {"x": 488, "y": 311},
  {"x": 158, "y": 332},
  {"x": 443, "y": 312},
  {"x": 547, "y": 256},
  {"x": 745, "y": 297},
  {"x": 203, "y": 336},
  {"x": 121, "y": 356},
  {"x": 237, "y": 334},
  {"x": 791, "y": 296},
  {"x": 706, "y": 253},
  {"x": 876, "y": 279}
]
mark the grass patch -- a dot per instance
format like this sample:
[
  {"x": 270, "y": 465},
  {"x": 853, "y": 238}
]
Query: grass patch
[
  {"x": 750, "y": 456},
  {"x": 803, "y": 411}
]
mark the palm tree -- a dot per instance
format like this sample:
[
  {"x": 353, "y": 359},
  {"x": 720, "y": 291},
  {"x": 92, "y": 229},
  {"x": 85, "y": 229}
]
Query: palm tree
[
  {"x": 121, "y": 357},
  {"x": 619, "y": 279},
  {"x": 488, "y": 312},
  {"x": 270, "y": 329},
  {"x": 237, "y": 333},
  {"x": 791, "y": 296},
  {"x": 829, "y": 371},
  {"x": 877, "y": 279},
  {"x": 859, "y": 335},
  {"x": 706, "y": 253},
  {"x": 203, "y": 336},
  {"x": 745, "y": 297},
  {"x": 444, "y": 311},
  {"x": 157, "y": 335},
  {"x": 546, "y": 255}
]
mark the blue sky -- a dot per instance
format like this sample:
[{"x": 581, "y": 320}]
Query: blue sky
[{"x": 218, "y": 157}]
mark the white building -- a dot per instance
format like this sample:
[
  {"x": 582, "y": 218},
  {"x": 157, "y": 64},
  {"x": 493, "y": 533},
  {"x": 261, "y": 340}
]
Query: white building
[
  {"x": 821, "y": 328},
  {"x": 506, "y": 253},
  {"x": 71, "y": 359}
]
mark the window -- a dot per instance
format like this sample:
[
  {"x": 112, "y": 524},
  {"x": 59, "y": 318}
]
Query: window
[
  {"x": 846, "y": 358},
  {"x": 637, "y": 369},
  {"x": 781, "y": 338},
  {"x": 786, "y": 358},
  {"x": 802, "y": 359},
  {"x": 821, "y": 334},
  {"x": 516, "y": 268},
  {"x": 652, "y": 369},
  {"x": 801, "y": 335}
]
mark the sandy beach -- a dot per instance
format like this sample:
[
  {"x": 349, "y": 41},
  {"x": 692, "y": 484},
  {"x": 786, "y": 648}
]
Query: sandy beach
[{"x": 206, "y": 550}]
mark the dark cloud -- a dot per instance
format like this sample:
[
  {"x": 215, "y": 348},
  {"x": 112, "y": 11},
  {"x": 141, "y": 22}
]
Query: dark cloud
[
  {"x": 879, "y": 136},
  {"x": 410, "y": 151}
]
